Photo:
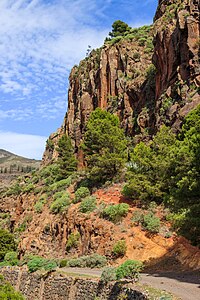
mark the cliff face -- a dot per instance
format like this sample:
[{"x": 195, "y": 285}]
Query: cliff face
[
  {"x": 119, "y": 77},
  {"x": 176, "y": 57}
]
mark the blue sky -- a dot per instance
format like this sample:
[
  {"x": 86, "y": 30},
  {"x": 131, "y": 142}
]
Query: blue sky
[{"x": 40, "y": 40}]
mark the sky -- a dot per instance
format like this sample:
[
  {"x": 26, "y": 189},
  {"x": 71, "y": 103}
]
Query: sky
[{"x": 40, "y": 41}]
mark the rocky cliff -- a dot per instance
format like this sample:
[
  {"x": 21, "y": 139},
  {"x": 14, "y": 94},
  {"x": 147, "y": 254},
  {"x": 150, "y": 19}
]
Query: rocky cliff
[{"x": 120, "y": 77}]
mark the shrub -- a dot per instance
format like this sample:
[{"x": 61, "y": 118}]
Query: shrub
[
  {"x": 119, "y": 248},
  {"x": 116, "y": 212},
  {"x": 151, "y": 222},
  {"x": 64, "y": 183},
  {"x": 72, "y": 241},
  {"x": 142, "y": 41},
  {"x": 137, "y": 217},
  {"x": 11, "y": 258},
  {"x": 7, "y": 243},
  {"x": 38, "y": 207},
  {"x": 95, "y": 261},
  {"x": 76, "y": 262},
  {"x": 90, "y": 261},
  {"x": 81, "y": 193},
  {"x": 37, "y": 263},
  {"x": 88, "y": 204},
  {"x": 136, "y": 56},
  {"x": 63, "y": 263},
  {"x": 129, "y": 269},
  {"x": 7, "y": 292},
  {"x": 108, "y": 274},
  {"x": 28, "y": 188},
  {"x": 60, "y": 204}
]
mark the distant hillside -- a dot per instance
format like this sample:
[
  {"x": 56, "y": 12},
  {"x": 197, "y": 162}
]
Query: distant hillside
[{"x": 12, "y": 165}]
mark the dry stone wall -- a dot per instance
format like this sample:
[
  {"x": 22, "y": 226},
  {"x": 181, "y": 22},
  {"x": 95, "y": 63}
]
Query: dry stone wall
[{"x": 53, "y": 286}]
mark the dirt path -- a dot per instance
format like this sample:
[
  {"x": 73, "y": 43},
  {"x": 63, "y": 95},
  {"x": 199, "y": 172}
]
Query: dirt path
[{"x": 186, "y": 286}]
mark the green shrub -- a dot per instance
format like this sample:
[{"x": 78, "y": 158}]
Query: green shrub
[
  {"x": 14, "y": 189},
  {"x": 81, "y": 193},
  {"x": 108, "y": 274},
  {"x": 38, "y": 207},
  {"x": 142, "y": 41},
  {"x": 11, "y": 258},
  {"x": 119, "y": 248},
  {"x": 35, "y": 264},
  {"x": 63, "y": 263},
  {"x": 60, "y": 204},
  {"x": 38, "y": 263},
  {"x": 7, "y": 292},
  {"x": 90, "y": 261},
  {"x": 151, "y": 222},
  {"x": 58, "y": 185},
  {"x": 7, "y": 243},
  {"x": 137, "y": 217},
  {"x": 88, "y": 204},
  {"x": 28, "y": 188},
  {"x": 129, "y": 269},
  {"x": 72, "y": 240},
  {"x": 116, "y": 212}
]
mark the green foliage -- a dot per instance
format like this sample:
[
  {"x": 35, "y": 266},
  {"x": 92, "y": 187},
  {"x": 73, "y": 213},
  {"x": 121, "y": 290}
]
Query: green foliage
[
  {"x": 38, "y": 207},
  {"x": 149, "y": 220},
  {"x": 115, "y": 213},
  {"x": 142, "y": 41},
  {"x": 7, "y": 292},
  {"x": 88, "y": 204},
  {"x": 61, "y": 184},
  {"x": 14, "y": 189},
  {"x": 89, "y": 261},
  {"x": 119, "y": 248},
  {"x": 49, "y": 173},
  {"x": 108, "y": 274},
  {"x": 72, "y": 241},
  {"x": 38, "y": 263},
  {"x": 167, "y": 170},
  {"x": 151, "y": 223},
  {"x": 62, "y": 201},
  {"x": 104, "y": 146},
  {"x": 11, "y": 258},
  {"x": 129, "y": 269},
  {"x": 28, "y": 188},
  {"x": 66, "y": 160},
  {"x": 137, "y": 217},
  {"x": 81, "y": 193},
  {"x": 7, "y": 243},
  {"x": 63, "y": 263},
  {"x": 119, "y": 28}
]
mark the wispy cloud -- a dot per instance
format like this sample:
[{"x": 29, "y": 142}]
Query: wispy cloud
[
  {"x": 31, "y": 146},
  {"x": 40, "y": 42}
]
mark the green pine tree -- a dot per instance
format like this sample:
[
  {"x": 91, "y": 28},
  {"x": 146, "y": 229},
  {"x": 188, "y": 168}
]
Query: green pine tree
[
  {"x": 66, "y": 158},
  {"x": 105, "y": 146}
]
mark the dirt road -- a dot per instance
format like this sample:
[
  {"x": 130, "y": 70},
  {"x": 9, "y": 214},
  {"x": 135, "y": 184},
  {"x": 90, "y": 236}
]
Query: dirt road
[{"x": 186, "y": 286}]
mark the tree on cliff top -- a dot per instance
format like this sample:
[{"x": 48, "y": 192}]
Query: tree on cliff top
[
  {"x": 104, "y": 146},
  {"x": 66, "y": 158},
  {"x": 119, "y": 28}
]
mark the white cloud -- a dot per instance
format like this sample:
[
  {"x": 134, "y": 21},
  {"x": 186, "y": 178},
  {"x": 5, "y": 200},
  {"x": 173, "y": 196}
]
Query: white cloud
[
  {"x": 40, "y": 42},
  {"x": 30, "y": 146}
]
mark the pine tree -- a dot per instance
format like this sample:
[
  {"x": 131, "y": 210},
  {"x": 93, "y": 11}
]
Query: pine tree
[
  {"x": 66, "y": 158},
  {"x": 105, "y": 146}
]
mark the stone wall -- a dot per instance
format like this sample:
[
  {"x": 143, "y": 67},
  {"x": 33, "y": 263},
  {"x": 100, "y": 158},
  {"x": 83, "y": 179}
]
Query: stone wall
[{"x": 38, "y": 286}]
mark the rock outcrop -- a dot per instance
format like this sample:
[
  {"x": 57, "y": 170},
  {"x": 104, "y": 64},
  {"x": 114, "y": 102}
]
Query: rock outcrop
[{"x": 119, "y": 77}]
